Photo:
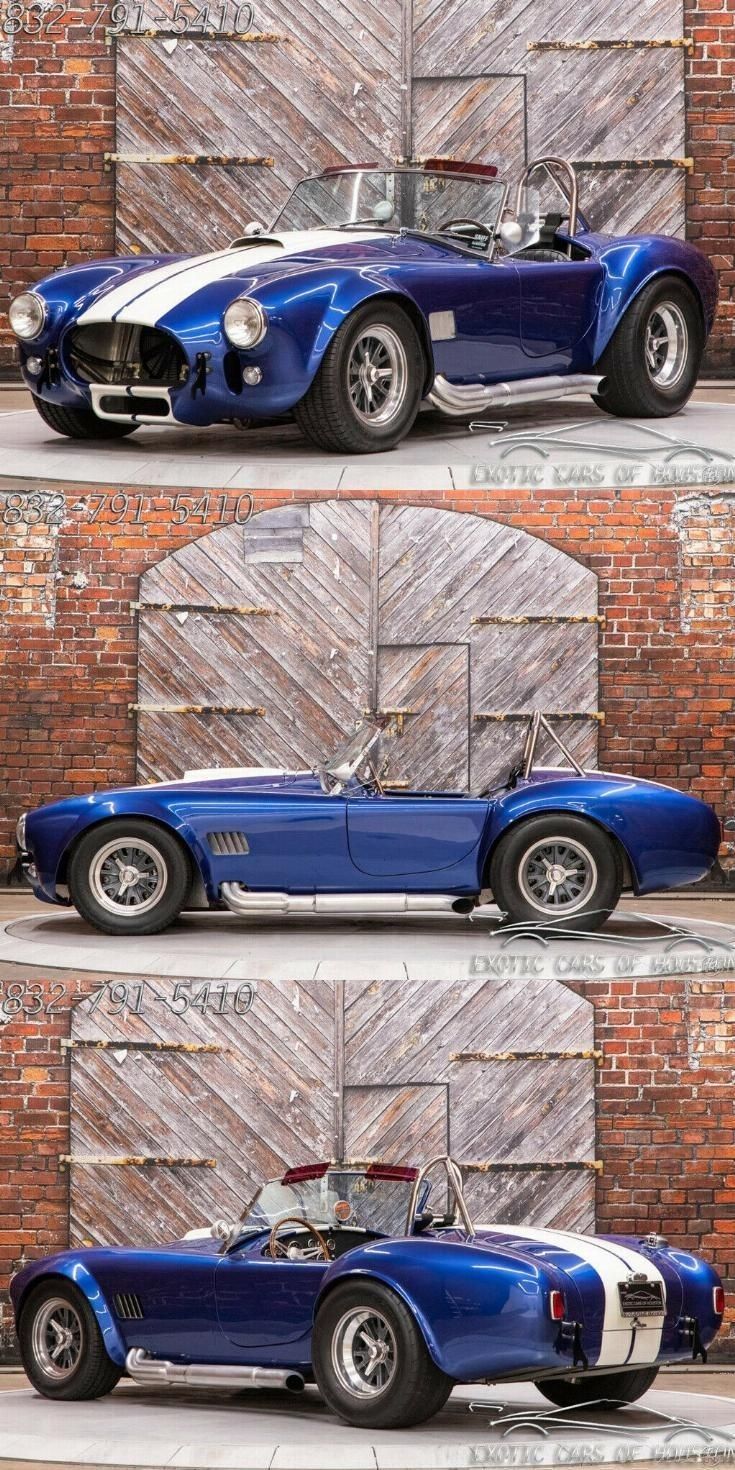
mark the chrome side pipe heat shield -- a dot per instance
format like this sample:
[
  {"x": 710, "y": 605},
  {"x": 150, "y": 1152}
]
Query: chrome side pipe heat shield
[
  {"x": 146, "y": 1370},
  {"x": 460, "y": 399},
  {"x": 242, "y": 901}
]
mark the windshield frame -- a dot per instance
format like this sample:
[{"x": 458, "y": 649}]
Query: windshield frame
[
  {"x": 336, "y": 772},
  {"x": 375, "y": 1173}
]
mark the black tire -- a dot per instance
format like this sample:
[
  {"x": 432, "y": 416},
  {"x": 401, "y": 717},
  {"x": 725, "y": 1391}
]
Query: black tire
[
  {"x": 327, "y": 414},
  {"x": 630, "y": 389},
  {"x": 517, "y": 877},
  {"x": 162, "y": 860},
  {"x": 80, "y": 423},
  {"x": 94, "y": 1373},
  {"x": 416, "y": 1389},
  {"x": 619, "y": 1388}
]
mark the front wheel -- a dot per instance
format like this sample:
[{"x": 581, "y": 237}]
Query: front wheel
[
  {"x": 557, "y": 870},
  {"x": 371, "y": 1362},
  {"x": 617, "y": 1388},
  {"x": 61, "y": 1344},
  {"x": 80, "y": 423},
  {"x": 129, "y": 877},
  {"x": 652, "y": 362},
  {"x": 368, "y": 389}
]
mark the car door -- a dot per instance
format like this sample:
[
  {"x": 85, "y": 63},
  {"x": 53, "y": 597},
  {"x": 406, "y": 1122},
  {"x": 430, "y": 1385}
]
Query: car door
[
  {"x": 559, "y": 303},
  {"x": 472, "y": 307},
  {"x": 408, "y": 835},
  {"x": 264, "y": 1304}
]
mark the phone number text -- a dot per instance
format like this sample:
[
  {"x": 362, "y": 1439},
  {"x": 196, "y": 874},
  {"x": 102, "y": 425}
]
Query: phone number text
[{"x": 122, "y": 997}]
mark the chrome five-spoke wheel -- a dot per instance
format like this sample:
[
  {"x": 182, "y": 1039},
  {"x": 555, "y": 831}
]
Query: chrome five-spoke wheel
[
  {"x": 666, "y": 344},
  {"x": 125, "y": 876},
  {"x": 557, "y": 875},
  {"x": 364, "y": 1354},
  {"x": 58, "y": 1338},
  {"x": 377, "y": 372}
]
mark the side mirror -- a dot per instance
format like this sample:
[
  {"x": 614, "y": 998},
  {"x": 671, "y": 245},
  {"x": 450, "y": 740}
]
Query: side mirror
[
  {"x": 220, "y": 1230},
  {"x": 510, "y": 234}
]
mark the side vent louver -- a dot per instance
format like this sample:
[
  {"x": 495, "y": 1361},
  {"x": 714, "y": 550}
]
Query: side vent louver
[
  {"x": 128, "y": 1306},
  {"x": 227, "y": 844}
]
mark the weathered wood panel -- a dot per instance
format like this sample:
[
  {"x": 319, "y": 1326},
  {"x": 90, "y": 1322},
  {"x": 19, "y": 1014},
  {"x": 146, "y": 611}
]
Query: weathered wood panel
[
  {"x": 480, "y": 119},
  {"x": 336, "y": 585},
  {"x": 365, "y": 1069}
]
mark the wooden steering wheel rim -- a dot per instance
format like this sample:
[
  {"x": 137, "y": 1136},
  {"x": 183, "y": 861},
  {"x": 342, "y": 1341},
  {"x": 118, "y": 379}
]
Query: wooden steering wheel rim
[
  {"x": 303, "y": 1225},
  {"x": 462, "y": 219}
]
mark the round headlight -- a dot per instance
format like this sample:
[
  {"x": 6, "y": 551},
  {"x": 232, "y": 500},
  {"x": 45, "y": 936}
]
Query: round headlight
[
  {"x": 245, "y": 322},
  {"x": 27, "y": 315}
]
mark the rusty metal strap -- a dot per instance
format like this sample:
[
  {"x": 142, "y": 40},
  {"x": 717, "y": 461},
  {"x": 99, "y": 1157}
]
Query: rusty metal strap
[
  {"x": 196, "y": 709},
  {"x": 153, "y": 33},
  {"x": 525, "y": 1056},
  {"x": 223, "y": 160},
  {"x": 189, "y": 1047},
  {"x": 533, "y": 1168},
  {"x": 677, "y": 43},
  {"x": 246, "y": 609},
  {"x": 518, "y": 620},
  {"x": 134, "y": 1161},
  {"x": 589, "y": 165},
  {"x": 502, "y": 715}
]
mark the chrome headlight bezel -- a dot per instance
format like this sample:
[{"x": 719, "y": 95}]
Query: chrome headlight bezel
[
  {"x": 20, "y": 831},
  {"x": 245, "y": 323},
  {"x": 37, "y": 305}
]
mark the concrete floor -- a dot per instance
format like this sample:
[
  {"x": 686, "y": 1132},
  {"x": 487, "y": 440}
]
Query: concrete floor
[{"x": 226, "y": 458}]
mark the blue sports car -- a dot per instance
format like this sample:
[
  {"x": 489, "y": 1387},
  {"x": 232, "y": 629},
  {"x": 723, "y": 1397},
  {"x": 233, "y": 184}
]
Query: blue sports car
[
  {"x": 553, "y": 846},
  {"x": 376, "y": 288},
  {"x": 346, "y": 1275}
]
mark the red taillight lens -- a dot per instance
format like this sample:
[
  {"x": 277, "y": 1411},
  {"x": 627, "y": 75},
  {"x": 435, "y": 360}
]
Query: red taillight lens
[
  {"x": 556, "y": 1306},
  {"x": 718, "y": 1300}
]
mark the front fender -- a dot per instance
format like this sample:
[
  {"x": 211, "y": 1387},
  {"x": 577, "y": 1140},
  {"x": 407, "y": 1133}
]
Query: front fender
[
  {"x": 630, "y": 265},
  {"x": 69, "y": 1267}
]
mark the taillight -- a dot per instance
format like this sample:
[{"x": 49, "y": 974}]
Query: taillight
[
  {"x": 718, "y": 1300},
  {"x": 556, "y": 1306}
]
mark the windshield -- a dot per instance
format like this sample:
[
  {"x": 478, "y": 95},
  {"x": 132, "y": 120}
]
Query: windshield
[
  {"x": 411, "y": 199},
  {"x": 335, "y": 772},
  {"x": 365, "y": 1199}
]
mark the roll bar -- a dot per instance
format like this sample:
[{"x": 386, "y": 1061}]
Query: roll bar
[
  {"x": 454, "y": 1180},
  {"x": 553, "y": 167},
  {"x": 537, "y": 723}
]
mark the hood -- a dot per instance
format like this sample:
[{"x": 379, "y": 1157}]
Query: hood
[{"x": 152, "y": 291}]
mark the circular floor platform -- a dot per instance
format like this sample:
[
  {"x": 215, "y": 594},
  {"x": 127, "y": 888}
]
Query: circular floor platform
[
  {"x": 639, "y": 939},
  {"x": 563, "y": 442},
  {"x": 259, "y": 1430}
]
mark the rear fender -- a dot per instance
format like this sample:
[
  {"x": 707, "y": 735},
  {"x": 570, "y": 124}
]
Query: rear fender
[
  {"x": 70, "y": 1268},
  {"x": 630, "y": 266},
  {"x": 509, "y": 813}
]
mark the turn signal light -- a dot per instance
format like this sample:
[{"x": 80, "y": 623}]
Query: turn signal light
[
  {"x": 556, "y": 1306},
  {"x": 718, "y": 1300}
]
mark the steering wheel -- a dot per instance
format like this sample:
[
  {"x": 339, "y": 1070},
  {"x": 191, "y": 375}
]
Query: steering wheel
[
  {"x": 279, "y": 1251},
  {"x": 476, "y": 224}
]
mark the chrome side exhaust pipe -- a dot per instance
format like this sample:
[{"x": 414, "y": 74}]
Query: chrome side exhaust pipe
[
  {"x": 146, "y": 1370},
  {"x": 242, "y": 901},
  {"x": 459, "y": 399}
]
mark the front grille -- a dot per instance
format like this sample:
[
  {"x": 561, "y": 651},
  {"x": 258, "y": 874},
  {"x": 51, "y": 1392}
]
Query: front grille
[
  {"x": 227, "y": 844},
  {"x": 113, "y": 352},
  {"x": 128, "y": 1306}
]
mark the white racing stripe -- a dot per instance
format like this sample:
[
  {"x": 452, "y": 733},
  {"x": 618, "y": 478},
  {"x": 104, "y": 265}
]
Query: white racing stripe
[
  {"x": 611, "y": 1263},
  {"x": 148, "y": 298}
]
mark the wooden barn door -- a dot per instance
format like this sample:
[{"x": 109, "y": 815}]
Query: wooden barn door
[
  {"x": 264, "y": 644},
  {"x": 177, "y": 1118}
]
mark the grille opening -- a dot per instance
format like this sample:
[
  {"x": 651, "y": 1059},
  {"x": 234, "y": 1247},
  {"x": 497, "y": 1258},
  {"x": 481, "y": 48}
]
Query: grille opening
[
  {"x": 227, "y": 844},
  {"x": 233, "y": 371},
  {"x": 130, "y": 408},
  {"x": 128, "y": 1306},
  {"x": 113, "y": 352}
]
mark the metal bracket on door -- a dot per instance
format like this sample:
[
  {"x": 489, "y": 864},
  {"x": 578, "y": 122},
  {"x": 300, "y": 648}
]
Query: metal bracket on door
[{"x": 394, "y": 717}]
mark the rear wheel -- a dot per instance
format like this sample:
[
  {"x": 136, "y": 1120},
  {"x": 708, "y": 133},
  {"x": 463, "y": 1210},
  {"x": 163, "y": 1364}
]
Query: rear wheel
[
  {"x": 557, "y": 870},
  {"x": 618, "y": 1388},
  {"x": 652, "y": 363},
  {"x": 61, "y": 1344},
  {"x": 371, "y": 1362},
  {"x": 368, "y": 389},
  {"x": 80, "y": 423},
  {"x": 129, "y": 877}
]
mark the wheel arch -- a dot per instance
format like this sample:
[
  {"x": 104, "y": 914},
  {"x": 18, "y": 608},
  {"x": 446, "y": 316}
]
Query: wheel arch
[
  {"x": 353, "y": 295},
  {"x": 188, "y": 843},
  {"x": 630, "y": 876},
  {"x": 78, "y": 1276},
  {"x": 389, "y": 1282},
  {"x": 616, "y": 304}
]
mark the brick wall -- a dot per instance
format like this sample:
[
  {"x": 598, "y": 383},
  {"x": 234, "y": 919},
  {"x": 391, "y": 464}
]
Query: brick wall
[
  {"x": 710, "y": 100},
  {"x": 665, "y": 1120},
  {"x": 665, "y": 559},
  {"x": 56, "y": 122}
]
